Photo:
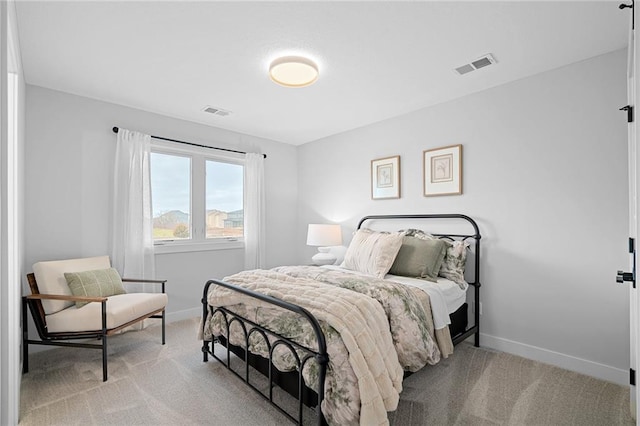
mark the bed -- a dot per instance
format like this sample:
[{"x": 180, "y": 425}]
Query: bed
[{"x": 341, "y": 338}]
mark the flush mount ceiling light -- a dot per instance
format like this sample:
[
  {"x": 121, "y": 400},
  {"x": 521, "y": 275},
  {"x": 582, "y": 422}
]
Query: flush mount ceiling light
[{"x": 293, "y": 71}]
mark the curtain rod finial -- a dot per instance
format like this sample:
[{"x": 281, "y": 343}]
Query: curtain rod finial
[{"x": 115, "y": 129}]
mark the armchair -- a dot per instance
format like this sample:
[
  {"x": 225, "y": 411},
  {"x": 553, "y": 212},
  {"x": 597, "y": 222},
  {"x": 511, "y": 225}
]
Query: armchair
[{"x": 59, "y": 321}]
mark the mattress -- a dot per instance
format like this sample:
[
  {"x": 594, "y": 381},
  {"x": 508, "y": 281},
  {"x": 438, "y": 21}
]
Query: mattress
[{"x": 446, "y": 296}]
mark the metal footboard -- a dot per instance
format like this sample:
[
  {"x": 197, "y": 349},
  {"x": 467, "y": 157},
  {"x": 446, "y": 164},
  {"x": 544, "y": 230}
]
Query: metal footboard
[{"x": 249, "y": 328}]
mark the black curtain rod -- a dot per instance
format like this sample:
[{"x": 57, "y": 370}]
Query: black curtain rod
[{"x": 115, "y": 130}]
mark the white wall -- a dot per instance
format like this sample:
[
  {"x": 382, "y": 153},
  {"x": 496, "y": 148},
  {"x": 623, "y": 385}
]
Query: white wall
[
  {"x": 70, "y": 149},
  {"x": 545, "y": 176}
]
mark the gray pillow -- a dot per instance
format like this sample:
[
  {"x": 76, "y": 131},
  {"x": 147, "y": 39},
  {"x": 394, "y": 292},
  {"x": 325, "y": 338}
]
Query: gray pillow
[
  {"x": 99, "y": 282},
  {"x": 455, "y": 258},
  {"x": 419, "y": 258}
]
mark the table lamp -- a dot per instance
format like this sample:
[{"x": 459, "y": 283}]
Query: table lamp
[{"x": 324, "y": 236}]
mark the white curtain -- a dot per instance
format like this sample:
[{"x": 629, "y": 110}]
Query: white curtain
[
  {"x": 132, "y": 248},
  {"x": 254, "y": 212}
]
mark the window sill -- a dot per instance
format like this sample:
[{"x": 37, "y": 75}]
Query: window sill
[{"x": 180, "y": 247}]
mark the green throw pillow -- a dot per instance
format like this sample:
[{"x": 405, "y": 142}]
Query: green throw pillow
[
  {"x": 419, "y": 258},
  {"x": 100, "y": 282}
]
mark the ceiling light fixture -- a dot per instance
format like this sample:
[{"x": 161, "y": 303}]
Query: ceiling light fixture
[{"x": 293, "y": 71}]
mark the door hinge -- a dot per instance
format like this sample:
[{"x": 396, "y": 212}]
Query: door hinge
[
  {"x": 632, "y": 377},
  {"x": 629, "y": 6},
  {"x": 629, "y": 110}
]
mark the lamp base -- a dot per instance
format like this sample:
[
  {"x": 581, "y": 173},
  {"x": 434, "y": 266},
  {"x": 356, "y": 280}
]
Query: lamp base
[{"x": 324, "y": 257}]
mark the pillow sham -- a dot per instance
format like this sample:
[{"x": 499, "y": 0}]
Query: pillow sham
[
  {"x": 454, "y": 262},
  {"x": 371, "y": 252},
  {"x": 419, "y": 258},
  {"x": 98, "y": 282},
  {"x": 455, "y": 258}
]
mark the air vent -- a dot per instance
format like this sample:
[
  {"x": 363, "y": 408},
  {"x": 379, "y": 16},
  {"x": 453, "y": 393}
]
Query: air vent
[
  {"x": 465, "y": 69},
  {"x": 481, "y": 62},
  {"x": 216, "y": 111}
]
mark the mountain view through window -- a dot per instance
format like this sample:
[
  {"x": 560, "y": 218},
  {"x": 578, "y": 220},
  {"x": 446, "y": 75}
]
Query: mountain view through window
[
  {"x": 224, "y": 200},
  {"x": 177, "y": 187}
]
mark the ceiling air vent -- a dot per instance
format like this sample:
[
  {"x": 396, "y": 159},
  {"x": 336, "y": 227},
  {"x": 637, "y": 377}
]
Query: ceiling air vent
[
  {"x": 465, "y": 69},
  {"x": 481, "y": 62},
  {"x": 216, "y": 111}
]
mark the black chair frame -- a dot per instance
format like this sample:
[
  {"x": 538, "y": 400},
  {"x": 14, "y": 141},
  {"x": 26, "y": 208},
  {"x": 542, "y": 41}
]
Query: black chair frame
[{"x": 34, "y": 303}]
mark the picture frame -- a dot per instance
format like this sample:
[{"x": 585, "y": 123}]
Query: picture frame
[
  {"x": 442, "y": 171},
  {"x": 385, "y": 178}
]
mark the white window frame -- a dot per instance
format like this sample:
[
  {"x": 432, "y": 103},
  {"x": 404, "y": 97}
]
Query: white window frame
[{"x": 197, "y": 214}]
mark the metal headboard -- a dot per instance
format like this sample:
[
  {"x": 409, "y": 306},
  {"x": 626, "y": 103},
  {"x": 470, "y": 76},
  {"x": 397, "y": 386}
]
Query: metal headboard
[{"x": 476, "y": 276}]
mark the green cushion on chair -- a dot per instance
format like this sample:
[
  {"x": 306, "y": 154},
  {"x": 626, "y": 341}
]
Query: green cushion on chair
[{"x": 99, "y": 282}]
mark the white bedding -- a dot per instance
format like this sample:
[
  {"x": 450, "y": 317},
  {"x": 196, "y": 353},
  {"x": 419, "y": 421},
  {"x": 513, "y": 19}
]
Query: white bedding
[{"x": 446, "y": 296}]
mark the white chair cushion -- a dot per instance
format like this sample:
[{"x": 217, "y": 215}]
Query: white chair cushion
[
  {"x": 50, "y": 278},
  {"x": 121, "y": 309}
]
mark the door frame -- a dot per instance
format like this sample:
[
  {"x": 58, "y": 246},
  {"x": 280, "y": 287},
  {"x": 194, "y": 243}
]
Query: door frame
[{"x": 634, "y": 218}]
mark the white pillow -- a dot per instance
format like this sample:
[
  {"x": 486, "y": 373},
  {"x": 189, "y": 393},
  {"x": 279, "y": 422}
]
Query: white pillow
[{"x": 372, "y": 253}]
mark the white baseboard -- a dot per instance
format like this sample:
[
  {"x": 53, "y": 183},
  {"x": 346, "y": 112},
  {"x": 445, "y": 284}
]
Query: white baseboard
[
  {"x": 184, "y": 314},
  {"x": 568, "y": 362}
]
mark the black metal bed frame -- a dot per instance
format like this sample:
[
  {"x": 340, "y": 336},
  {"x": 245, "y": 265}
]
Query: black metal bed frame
[
  {"x": 320, "y": 355},
  {"x": 305, "y": 395},
  {"x": 475, "y": 329}
]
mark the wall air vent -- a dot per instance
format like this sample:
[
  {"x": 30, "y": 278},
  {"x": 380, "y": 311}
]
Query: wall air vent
[
  {"x": 481, "y": 62},
  {"x": 216, "y": 111}
]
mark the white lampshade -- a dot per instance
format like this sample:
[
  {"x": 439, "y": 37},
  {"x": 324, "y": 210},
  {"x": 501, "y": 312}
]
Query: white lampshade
[{"x": 324, "y": 235}]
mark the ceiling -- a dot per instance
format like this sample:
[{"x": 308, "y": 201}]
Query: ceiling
[{"x": 377, "y": 59}]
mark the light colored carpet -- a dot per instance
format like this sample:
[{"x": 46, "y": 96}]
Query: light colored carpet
[{"x": 154, "y": 384}]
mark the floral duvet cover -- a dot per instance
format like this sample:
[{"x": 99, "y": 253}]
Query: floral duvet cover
[{"x": 374, "y": 330}]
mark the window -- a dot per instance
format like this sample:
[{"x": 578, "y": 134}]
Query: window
[
  {"x": 171, "y": 196},
  {"x": 197, "y": 198},
  {"x": 224, "y": 200}
]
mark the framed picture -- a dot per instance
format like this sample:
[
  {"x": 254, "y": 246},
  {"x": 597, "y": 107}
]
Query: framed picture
[
  {"x": 442, "y": 170},
  {"x": 385, "y": 178}
]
